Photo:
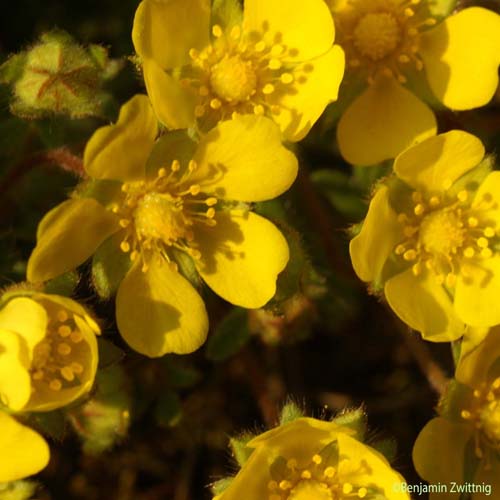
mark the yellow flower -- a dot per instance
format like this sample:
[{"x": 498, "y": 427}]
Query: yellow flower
[
  {"x": 171, "y": 206},
  {"x": 311, "y": 459},
  {"x": 275, "y": 59},
  {"x": 23, "y": 452},
  {"x": 48, "y": 352},
  {"x": 462, "y": 444},
  {"x": 397, "y": 50},
  {"x": 430, "y": 238}
]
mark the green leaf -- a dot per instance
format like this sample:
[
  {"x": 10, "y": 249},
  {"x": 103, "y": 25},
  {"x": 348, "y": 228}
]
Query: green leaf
[
  {"x": 179, "y": 374},
  {"x": 168, "y": 410},
  {"x": 230, "y": 336},
  {"x": 290, "y": 412}
]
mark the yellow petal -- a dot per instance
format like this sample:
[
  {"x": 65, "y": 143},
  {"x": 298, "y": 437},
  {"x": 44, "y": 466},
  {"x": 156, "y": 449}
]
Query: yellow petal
[
  {"x": 166, "y": 30},
  {"x": 477, "y": 292},
  {"x": 242, "y": 257},
  {"x": 438, "y": 454},
  {"x": 380, "y": 234},
  {"x": 383, "y": 121},
  {"x": 437, "y": 162},
  {"x": 159, "y": 311},
  {"x": 70, "y": 238},
  {"x": 120, "y": 151},
  {"x": 307, "y": 28},
  {"x": 246, "y": 160},
  {"x": 461, "y": 57},
  {"x": 375, "y": 469},
  {"x": 173, "y": 105},
  {"x": 424, "y": 305},
  {"x": 27, "y": 318},
  {"x": 487, "y": 200},
  {"x": 473, "y": 368},
  {"x": 23, "y": 451},
  {"x": 306, "y": 101},
  {"x": 15, "y": 381}
]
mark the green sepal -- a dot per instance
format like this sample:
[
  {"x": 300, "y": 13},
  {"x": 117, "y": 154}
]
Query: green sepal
[
  {"x": 230, "y": 335},
  {"x": 12, "y": 69},
  {"x": 102, "y": 190},
  {"x": 103, "y": 420},
  {"x": 387, "y": 447},
  {"x": 456, "y": 397},
  {"x": 179, "y": 374},
  {"x": 226, "y": 13},
  {"x": 221, "y": 486},
  {"x": 354, "y": 419},
  {"x": 18, "y": 490},
  {"x": 109, "y": 267},
  {"x": 290, "y": 412},
  {"x": 471, "y": 462},
  {"x": 109, "y": 354},
  {"x": 472, "y": 180},
  {"x": 168, "y": 410},
  {"x": 241, "y": 452},
  {"x": 109, "y": 67},
  {"x": 52, "y": 424},
  {"x": 187, "y": 267},
  {"x": 63, "y": 285},
  {"x": 442, "y": 8}
]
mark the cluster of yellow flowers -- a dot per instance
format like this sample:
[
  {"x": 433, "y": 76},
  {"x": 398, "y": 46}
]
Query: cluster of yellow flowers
[{"x": 167, "y": 204}]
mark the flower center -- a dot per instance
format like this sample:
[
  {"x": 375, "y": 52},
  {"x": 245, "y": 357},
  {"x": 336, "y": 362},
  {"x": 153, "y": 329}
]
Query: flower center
[
  {"x": 484, "y": 414},
  {"x": 159, "y": 215},
  {"x": 58, "y": 360},
  {"x": 445, "y": 236},
  {"x": 442, "y": 232},
  {"x": 377, "y": 35},
  {"x": 490, "y": 418},
  {"x": 240, "y": 73},
  {"x": 233, "y": 79},
  {"x": 383, "y": 36},
  {"x": 320, "y": 479},
  {"x": 305, "y": 490}
]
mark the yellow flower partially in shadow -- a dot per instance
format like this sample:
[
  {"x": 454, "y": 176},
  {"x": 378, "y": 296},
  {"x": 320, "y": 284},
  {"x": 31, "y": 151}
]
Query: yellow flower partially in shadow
[
  {"x": 23, "y": 452},
  {"x": 462, "y": 444},
  {"x": 398, "y": 54},
  {"x": 275, "y": 59},
  {"x": 174, "y": 208},
  {"x": 48, "y": 352},
  {"x": 312, "y": 459},
  {"x": 431, "y": 237}
]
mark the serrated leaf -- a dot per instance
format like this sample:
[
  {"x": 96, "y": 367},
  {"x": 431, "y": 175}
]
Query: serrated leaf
[{"x": 230, "y": 336}]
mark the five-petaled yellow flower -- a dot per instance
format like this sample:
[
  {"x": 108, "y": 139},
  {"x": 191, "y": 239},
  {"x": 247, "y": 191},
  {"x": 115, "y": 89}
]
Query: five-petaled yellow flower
[
  {"x": 397, "y": 50},
  {"x": 462, "y": 444},
  {"x": 170, "y": 205},
  {"x": 48, "y": 351},
  {"x": 275, "y": 59},
  {"x": 431, "y": 238},
  {"x": 312, "y": 459},
  {"x": 23, "y": 452}
]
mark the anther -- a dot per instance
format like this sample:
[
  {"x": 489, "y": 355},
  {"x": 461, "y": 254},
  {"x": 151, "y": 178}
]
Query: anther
[
  {"x": 64, "y": 349},
  {"x": 124, "y": 246},
  {"x": 410, "y": 255},
  {"x": 486, "y": 253},
  {"x": 194, "y": 189},
  {"x": 306, "y": 474},
  {"x": 362, "y": 492},
  {"x": 277, "y": 50},
  {"x": 76, "y": 337},
  {"x": 258, "y": 109},
  {"x": 286, "y": 78},
  {"x": 64, "y": 331},
  {"x": 463, "y": 196},
  {"x": 211, "y": 201},
  {"x": 235, "y": 32},
  {"x": 260, "y": 46},
  {"x": 215, "y": 104},
  {"x": 77, "y": 368},
  {"x": 175, "y": 167},
  {"x": 285, "y": 485},
  {"x": 317, "y": 459},
  {"x": 62, "y": 315},
  {"x": 489, "y": 232},
  {"x": 67, "y": 373},
  {"x": 193, "y": 53},
  {"x": 329, "y": 472},
  {"x": 419, "y": 209},
  {"x": 469, "y": 252},
  {"x": 124, "y": 222},
  {"x": 216, "y": 31},
  {"x": 55, "y": 385},
  {"x": 162, "y": 172},
  {"x": 268, "y": 89},
  {"x": 409, "y": 12},
  {"x": 472, "y": 222},
  {"x": 434, "y": 201},
  {"x": 292, "y": 463},
  {"x": 482, "y": 242},
  {"x": 210, "y": 213},
  {"x": 274, "y": 64},
  {"x": 347, "y": 488},
  {"x": 465, "y": 414},
  {"x": 192, "y": 165}
]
